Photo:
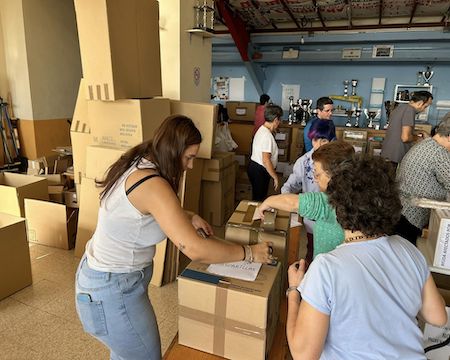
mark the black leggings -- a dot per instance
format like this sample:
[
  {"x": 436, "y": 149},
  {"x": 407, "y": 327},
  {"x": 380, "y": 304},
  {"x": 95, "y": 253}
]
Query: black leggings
[
  {"x": 407, "y": 230},
  {"x": 259, "y": 178}
]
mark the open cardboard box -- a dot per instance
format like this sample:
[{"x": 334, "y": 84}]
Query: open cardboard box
[
  {"x": 15, "y": 265},
  {"x": 51, "y": 224}
]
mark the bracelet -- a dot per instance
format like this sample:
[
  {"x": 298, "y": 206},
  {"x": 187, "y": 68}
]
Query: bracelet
[
  {"x": 291, "y": 288},
  {"x": 248, "y": 253}
]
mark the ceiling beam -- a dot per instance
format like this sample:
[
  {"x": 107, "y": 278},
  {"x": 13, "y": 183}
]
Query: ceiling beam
[
  {"x": 413, "y": 11},
  {"x": 339, "y": 28},
  {"x": 380, "y": 12},
  {"x": 319, "y": 14},
  {"x": 291, "y": 15}
]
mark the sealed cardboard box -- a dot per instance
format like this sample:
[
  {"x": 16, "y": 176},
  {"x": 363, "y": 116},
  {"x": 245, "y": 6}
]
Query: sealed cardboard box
[
  {"x": 120, "y": 50},
  {"x": 15, "y": 266},
  {"x": 14, "y": 188},
  {"x": 438, "y": 242},
  {"x": 239, "y": 110},
  {"x": 99, "y": 158},
  {"x": 235, "y": 319},
  {"x": 190, "y": 188},
  {"x": 51, "y": 224},
  {"x": 204, "y": 116},
  {"x": 215, "y": 168},
  {"x": 242, "y": 134},
  {"x": 241, "y": 228},
  {"x": 126, "y": 123}
]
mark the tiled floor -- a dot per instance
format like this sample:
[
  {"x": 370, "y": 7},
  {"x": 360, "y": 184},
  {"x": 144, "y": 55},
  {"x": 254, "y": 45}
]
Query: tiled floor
[{"x": 40, "y": 321}]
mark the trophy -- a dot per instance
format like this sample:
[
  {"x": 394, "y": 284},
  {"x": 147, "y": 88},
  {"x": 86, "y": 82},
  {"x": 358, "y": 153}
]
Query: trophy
[
  {"x": 357, "y": 115},
  {"x": 306, "y": 107},
  {"x": 427, "y": 75},
  {"x": 291, "y": 110},
  {"x": 349, "y": 113},
  {"x": 346, "y": 83},
  {"x": 371, "y": 116},
  {"x": 354, "y": 84}
]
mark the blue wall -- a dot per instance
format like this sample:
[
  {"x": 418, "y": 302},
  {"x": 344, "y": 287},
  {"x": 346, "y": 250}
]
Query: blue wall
[
  {"x": 325, "y": 79},
  {"x": 320, "y": 70}
]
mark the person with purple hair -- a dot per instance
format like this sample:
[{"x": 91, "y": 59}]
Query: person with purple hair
[{"x": 302, "y": 178}]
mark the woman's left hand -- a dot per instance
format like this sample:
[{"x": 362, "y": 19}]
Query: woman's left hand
[
  {"x": 200, "y": 223},
  {"x": 296, "y": 272}
]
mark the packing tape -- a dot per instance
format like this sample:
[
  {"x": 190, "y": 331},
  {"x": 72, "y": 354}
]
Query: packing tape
[{"x": 220, "y": 309}]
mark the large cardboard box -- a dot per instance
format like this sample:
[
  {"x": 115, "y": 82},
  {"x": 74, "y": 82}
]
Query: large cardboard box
[
  {"x": 120, "y": 50},
  {"x": 241, "y": 228},
  {"x": 239, "y": 110},
  {"x": 89, "y": 203},
  {"x": 14, "y": 188},
  {"x": 100, "y": 158},
  {"x": 190, "y": 187},
  {"x": 243, "y": 135},
  {"x": 204, "y": 116},
  {"x": 51, "y": 224},
  {"x": 215, "y": 168},
  {"x": 438, "y": 242},
  {"x": 126, "y": 123},
  {"x": 234, "y": 319},
  {"x": 15, "y": 266}
]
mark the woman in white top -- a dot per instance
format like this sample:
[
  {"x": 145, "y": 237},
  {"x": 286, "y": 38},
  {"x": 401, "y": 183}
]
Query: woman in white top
[
  {"x": 265, "y": 154},
  {"x": 139, "y": 208}
]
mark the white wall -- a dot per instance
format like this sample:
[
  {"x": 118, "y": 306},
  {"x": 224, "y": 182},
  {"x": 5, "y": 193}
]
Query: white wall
[
  {"x": 53, "y": 57},
  {"x": 15, "y": 53}
]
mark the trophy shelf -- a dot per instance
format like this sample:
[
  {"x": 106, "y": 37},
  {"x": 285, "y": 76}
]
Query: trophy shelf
[{"x": 400, "y": 89}]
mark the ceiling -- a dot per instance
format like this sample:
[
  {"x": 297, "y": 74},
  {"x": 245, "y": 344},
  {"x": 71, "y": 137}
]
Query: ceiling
[{"x": 281, "y": 16}]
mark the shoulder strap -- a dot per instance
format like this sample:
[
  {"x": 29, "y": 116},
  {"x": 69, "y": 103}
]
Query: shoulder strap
[{"x": 135, "y": 185}]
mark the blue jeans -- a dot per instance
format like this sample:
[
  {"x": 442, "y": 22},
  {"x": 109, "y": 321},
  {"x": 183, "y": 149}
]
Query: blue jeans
[{"x": 115, "y": 309}]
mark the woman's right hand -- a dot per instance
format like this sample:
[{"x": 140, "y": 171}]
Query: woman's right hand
[
  {"x": 263, "y": 253},
  {"x": 262, "y": 208}
]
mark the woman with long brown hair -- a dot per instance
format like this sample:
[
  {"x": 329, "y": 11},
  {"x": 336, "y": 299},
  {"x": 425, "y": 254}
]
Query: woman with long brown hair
[{"x": 139, "y": 207}]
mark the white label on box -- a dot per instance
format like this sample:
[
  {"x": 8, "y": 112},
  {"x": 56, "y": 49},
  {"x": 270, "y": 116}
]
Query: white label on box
[
  {"x": 241, "y": 111},
  {"x": 357, "y": 135},
  {"x": 242, "y": 270},
  {"x": 377, "y": 152},
  {"x": 358, "y": 149},
  {"x": 280, "y": 136},
  {"x": 442, "y": 256}
]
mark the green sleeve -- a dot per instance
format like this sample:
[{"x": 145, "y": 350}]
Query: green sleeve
[{"x": 315, "y": 206}]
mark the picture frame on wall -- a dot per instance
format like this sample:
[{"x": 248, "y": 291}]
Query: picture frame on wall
[{"x": 383, "y": 51}]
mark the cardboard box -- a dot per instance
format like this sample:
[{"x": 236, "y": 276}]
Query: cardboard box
[
  {"x": 14, "y": 188},
  {"x": 204, "y": 116},
  {"x": 215, "y": 169},
  {"x": 438, "y": 242},
  {"x": 283, "y": 154},
  {"x": 241, "y": 228},
  {"x": 99, "y": 158},
  {"x": 283, "y": 137},
  {"x": 236, "y": 319},
  {"x": 423, "y": 127},
  {"x": 15, "y": 265},
  {"x": 190, "y": 188},
  {"x": 243, "y": 192},
  {"x": 87, "y": 217},
  {"x": 242, "y": 134},
  {"x": 374, "y": 148},
  {"x": 359, "y": 146},
  {"x": 239, "y": 110},
  {"x": 56, "y": 193},
  {"x": 120, "y": 49},
  {"x": 126, "y": 123},
  {"x": 51, "y": 224}
]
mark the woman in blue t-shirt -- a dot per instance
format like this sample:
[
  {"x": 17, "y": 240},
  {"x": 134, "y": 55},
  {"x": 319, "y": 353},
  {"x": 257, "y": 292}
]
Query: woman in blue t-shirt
[{"x": 360, "y": 301}]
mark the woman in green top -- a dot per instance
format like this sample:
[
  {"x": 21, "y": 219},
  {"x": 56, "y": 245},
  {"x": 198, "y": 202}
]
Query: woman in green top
[{"x": 327, "y": 232}]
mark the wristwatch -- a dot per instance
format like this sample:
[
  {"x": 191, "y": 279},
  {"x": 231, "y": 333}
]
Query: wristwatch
[{"x": 291, "y": 288}]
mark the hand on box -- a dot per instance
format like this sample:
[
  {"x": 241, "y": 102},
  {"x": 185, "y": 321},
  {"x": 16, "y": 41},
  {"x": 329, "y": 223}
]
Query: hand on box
[
  {"x": 200, "y": 223},
  {"x": 296, "y": 272},
  {"x": 263, "y": 253},
  {"x": 262, "y": 208}
]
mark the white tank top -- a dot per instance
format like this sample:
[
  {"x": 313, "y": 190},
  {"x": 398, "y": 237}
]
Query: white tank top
[{"x": 125, "y": 239}]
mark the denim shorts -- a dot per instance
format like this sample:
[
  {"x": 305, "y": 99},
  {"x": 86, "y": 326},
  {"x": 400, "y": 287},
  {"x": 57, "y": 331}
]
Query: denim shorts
[{"x": 115, "y": 309}]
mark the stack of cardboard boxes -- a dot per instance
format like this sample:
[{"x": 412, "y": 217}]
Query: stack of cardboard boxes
[
  {"x": 233, "y": 318},
  {"x": 119, "y": 103}
]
